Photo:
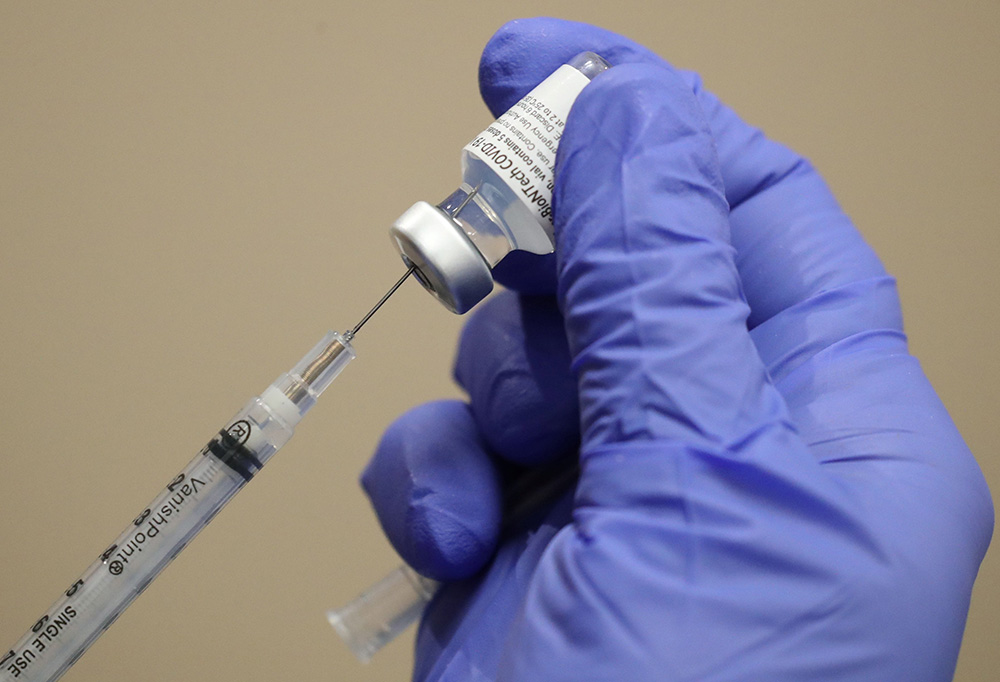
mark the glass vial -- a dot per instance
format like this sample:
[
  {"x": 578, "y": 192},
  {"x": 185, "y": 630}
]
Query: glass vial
[{"x": 505, "y": 199}]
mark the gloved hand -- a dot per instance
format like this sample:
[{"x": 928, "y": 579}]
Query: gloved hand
[{"x": 770, "y": 488}]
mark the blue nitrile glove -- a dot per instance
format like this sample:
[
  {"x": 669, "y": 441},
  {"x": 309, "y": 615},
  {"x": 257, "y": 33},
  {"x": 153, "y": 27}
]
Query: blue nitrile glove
[{"x": 770, "y": 488}]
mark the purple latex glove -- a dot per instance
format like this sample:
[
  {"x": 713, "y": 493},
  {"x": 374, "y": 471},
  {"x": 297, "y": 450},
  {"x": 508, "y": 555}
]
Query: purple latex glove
[{"x": 770, "y": 488}]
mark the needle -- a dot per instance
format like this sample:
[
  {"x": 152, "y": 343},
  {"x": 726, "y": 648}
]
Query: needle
[{"x": 354, "y": 330}]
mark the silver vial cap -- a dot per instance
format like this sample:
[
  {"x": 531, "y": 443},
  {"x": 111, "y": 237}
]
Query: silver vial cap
[{"x": 446, "y": 261}]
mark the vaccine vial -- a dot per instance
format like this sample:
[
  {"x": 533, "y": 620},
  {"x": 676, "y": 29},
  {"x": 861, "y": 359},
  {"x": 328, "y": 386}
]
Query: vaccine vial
[{"x": 505, "y": 199}]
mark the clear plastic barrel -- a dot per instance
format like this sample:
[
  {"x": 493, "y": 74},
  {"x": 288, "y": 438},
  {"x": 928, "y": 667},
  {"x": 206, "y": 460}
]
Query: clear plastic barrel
[
  {"x": 388, "y": 607},
  {"x": 161, "y": 530}
]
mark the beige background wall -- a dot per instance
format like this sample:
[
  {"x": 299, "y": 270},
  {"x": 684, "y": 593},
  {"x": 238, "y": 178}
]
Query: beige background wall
[{"x": 192, "y": 193}]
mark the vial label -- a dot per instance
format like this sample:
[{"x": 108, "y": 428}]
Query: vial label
[{"x": 520, "y": 146}]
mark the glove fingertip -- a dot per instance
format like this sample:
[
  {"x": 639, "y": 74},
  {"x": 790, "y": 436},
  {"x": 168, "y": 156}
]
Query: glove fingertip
[
  {"x": 524, "y": 51},
  {"x": 512, "y": 64},
  {"x": 446, "y": 547},
  {"x": 435, "y": 491}
]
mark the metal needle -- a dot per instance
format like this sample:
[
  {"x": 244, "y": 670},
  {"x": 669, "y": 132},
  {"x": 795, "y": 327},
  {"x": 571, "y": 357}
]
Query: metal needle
[{"x": 354, "y": 330}]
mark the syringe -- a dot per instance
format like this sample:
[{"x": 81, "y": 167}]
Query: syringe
[{"x": 184, "y": 507}]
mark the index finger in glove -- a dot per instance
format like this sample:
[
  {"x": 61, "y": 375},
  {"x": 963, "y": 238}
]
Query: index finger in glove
[
  {"x": 654, "y": 312},
  {"x": 792, "y": 240}
]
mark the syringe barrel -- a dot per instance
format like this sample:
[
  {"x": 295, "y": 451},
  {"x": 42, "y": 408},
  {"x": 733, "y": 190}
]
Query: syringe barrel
[{"x": 169, "y": 522}]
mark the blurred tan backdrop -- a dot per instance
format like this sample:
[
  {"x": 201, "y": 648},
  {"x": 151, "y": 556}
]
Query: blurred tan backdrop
[{"x": 191, "y": 193}]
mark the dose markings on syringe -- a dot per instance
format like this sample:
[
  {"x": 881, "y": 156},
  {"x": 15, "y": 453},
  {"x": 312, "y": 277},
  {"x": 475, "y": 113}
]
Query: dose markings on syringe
[{"x": 148, "y": 541}]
